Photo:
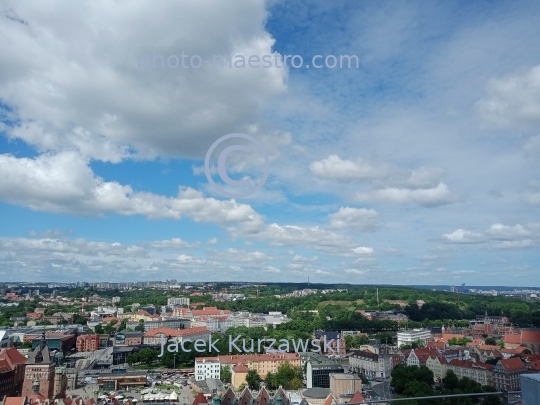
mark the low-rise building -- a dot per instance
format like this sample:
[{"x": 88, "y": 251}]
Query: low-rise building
[
  {"x": 343, "y": 386},
  {"x": 207, "y": 367},
  {"x": 318, "y": 370},
  {"x": 414, "y": 335}
]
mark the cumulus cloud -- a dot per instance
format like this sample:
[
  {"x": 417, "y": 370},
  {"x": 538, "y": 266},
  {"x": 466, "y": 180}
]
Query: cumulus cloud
[
  {"x": 356, "y": 272},
  {"x": 359, "y": 219},
  {"x": 462, "y": 236},
  {"x": 503, "y": 237},
  {"x": 513, "y": 100},
  {"x": 101, "y": 101},
  {"x": 390, "y": 184},
  {"x": 65, "y": 183},
  {"x": 174, "y": 243},
  {"x": 430, "y": 197}
]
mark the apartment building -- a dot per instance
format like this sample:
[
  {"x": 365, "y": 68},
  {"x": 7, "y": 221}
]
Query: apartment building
[
  {"x": 437, "y": 364},
  {"x": 373, "y": 365},
  {"x": 87, "y": 343},
  {"x": 12, "y": 367},
  {"x": 207, "y": 367},
  {"x": 319, "y": 369},
  {"x": 262, "y": 363},
  {"x": 506, "y": 374},
  {"x": 419, "y": 357},
  {"x": 479, "y": 372},
  {"x": 178, "y": 301}
]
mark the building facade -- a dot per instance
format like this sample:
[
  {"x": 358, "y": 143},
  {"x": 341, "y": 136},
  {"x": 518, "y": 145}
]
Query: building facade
[
  {"x": 207, "y": 367},
  {"x": 410, "y": 336}
]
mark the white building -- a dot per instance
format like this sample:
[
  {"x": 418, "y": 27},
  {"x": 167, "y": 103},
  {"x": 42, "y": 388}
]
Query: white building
[
  {"x": 405, "y": 337},
  {"x": 207, "y": 367},
  {"x": 371, "y": 364},
  {"x": 178, "y": 301}
]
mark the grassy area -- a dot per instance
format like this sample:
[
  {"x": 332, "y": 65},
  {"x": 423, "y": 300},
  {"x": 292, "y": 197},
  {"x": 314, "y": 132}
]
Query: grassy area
[{"x": 340, "y": 303}]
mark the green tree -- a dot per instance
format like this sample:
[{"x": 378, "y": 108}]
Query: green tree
[
  {"x": 226, "y": 374},
  {"x": 99, "y": 329},
  {"x": 140, "y": 326},
  {"x": 27, "y": 344},
  {"x": 253, "y": 379},
  {"x": 450, "y": 382}
]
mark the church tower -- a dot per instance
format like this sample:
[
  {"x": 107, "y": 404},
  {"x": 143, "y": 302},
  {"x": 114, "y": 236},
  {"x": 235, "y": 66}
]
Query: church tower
[{"x": 39, "y": 371}]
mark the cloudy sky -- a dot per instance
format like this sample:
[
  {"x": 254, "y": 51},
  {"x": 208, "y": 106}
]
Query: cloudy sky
[{"x": 419, "y": 166}]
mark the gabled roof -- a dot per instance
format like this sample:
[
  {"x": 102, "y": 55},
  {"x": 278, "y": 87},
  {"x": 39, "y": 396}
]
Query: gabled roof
[
  {"x": 200, "y": 399},
  {"x": 229, "y": 397},
  {"x": 357, "y": 397},
  {"x": 245, "y": 397},
  {"x": 263, "y": 398},
  {"x": 284, "y": 399}
]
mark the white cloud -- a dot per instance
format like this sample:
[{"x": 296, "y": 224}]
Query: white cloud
[
  {"x": 430, "y": 197},
  {"x": 65, "y": 183},
  {"x": 356, "y": 272},
  {"x": 103, "y": 94},
  {"x": 359, "y": 219},
  {"x": 174, "y": 243},
  {"x": 271, "y": 269},
  {"x": 513, "y": 101},
  {"x": 211, "y": 241},
  {"x": 363, "y": 250},
  {"x": 462, "y": 236}
]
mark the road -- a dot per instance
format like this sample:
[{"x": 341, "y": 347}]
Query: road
[{"x": 382, "y": 389}]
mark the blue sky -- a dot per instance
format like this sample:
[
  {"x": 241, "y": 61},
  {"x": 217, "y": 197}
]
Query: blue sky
[{"x": 418, "y": 167}]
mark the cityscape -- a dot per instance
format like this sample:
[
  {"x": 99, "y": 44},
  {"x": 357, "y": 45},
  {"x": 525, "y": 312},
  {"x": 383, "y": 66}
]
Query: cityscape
[{"x": 269, "y": 202}]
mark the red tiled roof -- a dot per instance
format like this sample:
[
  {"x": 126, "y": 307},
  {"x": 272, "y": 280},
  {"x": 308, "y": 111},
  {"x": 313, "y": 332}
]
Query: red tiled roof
[
  {"x": 200, "y": 399},
  {"x": 513, "y": 339},
  {"x": 12, "y": 356},
  {"x": 357, "y": 397},
  {"x": 240, "y": 368},
  {"x": 15, "y": 401},
  {"x": 530, "y": 336},
  {"x": 176, "y": 332},
  {"x": 512, "y": 364},
  {"x": 244, "y": 358}
]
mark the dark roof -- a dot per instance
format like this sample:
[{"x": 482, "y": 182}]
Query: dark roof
[
  {"x": 245, "y": 397},
  {"x": 366, "y": 354},
  {"x": 316, "y": 392},
  {"x": 329, "y": 334},
  {"x": 229, "y": 397},
  {"x": 41, "y": 354}
]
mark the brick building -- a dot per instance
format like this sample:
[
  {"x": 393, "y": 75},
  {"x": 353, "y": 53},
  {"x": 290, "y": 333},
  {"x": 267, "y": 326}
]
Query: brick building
[
  {"x": 40, "y": 366},
  {"x": 11, "y": 372},
  {"x": 87, "y": 343}
]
